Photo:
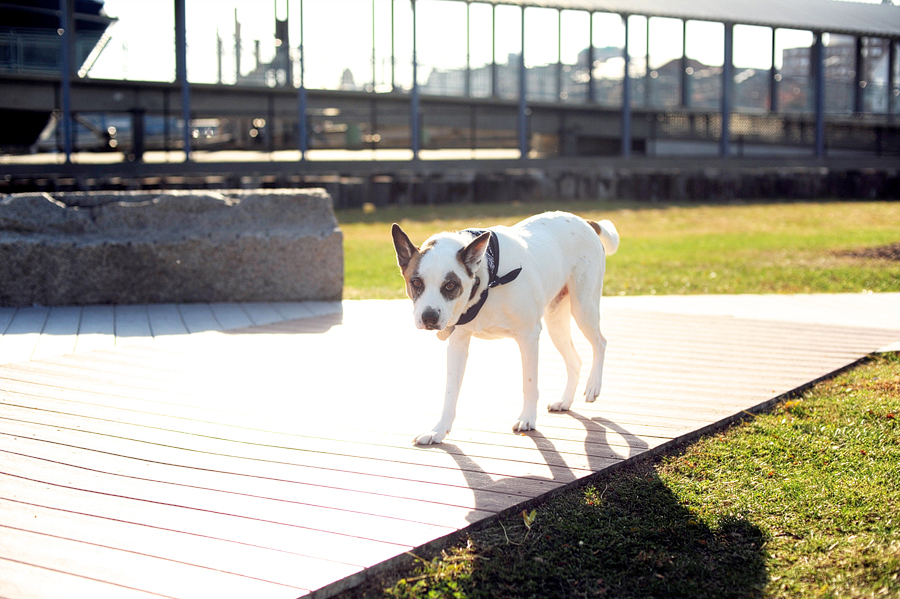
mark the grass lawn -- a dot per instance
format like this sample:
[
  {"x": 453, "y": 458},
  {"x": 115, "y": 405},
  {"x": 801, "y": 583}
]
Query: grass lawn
[
  {"x": 800, "y": 502},
  {"x": 667, "y": 249}
]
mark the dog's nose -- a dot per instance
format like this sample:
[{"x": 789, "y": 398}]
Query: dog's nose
[{"x": 430, "y": 318}]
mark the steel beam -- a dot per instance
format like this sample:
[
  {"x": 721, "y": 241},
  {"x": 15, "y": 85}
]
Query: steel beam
[
  {"x": 414, "y": 92},
  {"x": 727, "y": 91},
  {"x": 685, "y": 78},
  {"x": 302, "y": 138},
  {"x": 626, "y": 97},
  {"x": 819, "y": 70},
  {"x": 67, "y": 25},
  {"x": 773, "y": 77},
  {"x": 181, "y": 73},
  {"x": 522, "y": 125},
  {"x": 892, "y": 76},
  {"x": 859, "y": 67},
  {"x": 591, "y": 96}
]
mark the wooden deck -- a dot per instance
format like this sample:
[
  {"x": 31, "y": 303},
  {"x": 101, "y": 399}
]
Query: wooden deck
[{"x": 265, "y": 450}]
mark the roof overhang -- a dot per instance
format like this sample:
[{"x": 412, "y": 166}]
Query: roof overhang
[{"x": 832, "y": 16}]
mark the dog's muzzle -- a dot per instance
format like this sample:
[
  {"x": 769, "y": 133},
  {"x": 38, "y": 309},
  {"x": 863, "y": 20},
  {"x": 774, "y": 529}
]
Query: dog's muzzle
[{"x": 431, "y": 319}]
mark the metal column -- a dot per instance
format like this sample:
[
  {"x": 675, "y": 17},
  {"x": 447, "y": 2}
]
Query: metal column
[
  {"x": 414, "y": 92},
  {"x": 67, "y": 25},
  {"x": 819, "y": 70},
  {"x": 591, "y": 95},
  {"x": 393, "y": 56},
  {"x": 858, "y": 80},
  {"x": 468, "y": 83},
  {"x": 522, "y": 123},
  {"x": 685, "y": 78},
  {"x": 891, "y": 78},
  {"x": 727, "y": 87},
  {"x": 301, "y": 96},
  {"x": 647, "y": 77},
  {"x": 181, "y": 73},
  {"x": 773, "y": 77},
  {"x": 374, "y": 53},
  {"x": 626, "y": 98},
  {"x": 493, "y": 50},
  {"x": 559, "y": 62}
]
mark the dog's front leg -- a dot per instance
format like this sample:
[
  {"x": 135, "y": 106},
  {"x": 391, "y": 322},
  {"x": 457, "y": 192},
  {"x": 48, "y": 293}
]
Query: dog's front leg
[
  {"x": 528, "y": 345},
  {"x": 457, "y": 355}
]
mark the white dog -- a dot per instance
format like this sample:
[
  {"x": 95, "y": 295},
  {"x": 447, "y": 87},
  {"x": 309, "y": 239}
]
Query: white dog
[{"x": 500, "y": 282}]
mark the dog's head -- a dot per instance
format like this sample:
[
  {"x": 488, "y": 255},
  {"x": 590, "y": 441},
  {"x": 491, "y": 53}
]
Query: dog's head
[{"x": 439, "y": 275}]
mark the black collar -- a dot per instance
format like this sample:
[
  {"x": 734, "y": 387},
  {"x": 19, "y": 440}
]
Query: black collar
[{"x": 492, "y": 255}]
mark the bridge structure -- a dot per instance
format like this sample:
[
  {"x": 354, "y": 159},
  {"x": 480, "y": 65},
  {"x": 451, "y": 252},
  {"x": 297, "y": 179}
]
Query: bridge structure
[{"x": 524, "y": 113}]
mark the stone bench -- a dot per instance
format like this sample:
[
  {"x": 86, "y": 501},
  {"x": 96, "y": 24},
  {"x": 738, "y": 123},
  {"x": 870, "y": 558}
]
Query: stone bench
[{"x": 169, "y": 246}]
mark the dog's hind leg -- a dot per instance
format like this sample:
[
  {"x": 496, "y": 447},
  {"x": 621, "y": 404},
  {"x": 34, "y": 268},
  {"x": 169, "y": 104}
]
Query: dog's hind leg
[
  {"x": 558, "y": 319},
  {"x": 586, "y": 311}
]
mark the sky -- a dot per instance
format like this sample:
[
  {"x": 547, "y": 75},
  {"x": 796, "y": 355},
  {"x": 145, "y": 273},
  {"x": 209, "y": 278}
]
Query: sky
[{"x": 338, "y": 34}]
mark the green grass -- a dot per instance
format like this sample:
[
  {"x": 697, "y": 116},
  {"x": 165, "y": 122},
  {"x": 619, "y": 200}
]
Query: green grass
[
  {"x": 667, "y": 249},
  {"x": 801, "y": 502}
]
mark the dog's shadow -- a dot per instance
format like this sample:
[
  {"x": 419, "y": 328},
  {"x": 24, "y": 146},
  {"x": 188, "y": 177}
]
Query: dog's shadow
[
  {"x": 597, "y": 448},
  {"x": 635, "y": 519}
]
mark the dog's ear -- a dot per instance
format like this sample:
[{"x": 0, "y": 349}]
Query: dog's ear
[
  {"x": 471, "y": 255},
  {"x": 403, "y": 246}
]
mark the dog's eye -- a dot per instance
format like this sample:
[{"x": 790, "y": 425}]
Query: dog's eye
[
  {"x": 449, "y": 286},
  {"x": 417, "y": 283}
]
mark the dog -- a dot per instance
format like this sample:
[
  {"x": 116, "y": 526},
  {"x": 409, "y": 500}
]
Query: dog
[{"x": 501, "y": 282}]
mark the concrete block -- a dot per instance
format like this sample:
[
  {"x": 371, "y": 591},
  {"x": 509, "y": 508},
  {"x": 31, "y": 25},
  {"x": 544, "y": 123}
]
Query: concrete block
[{"x": 170, "y": 246}]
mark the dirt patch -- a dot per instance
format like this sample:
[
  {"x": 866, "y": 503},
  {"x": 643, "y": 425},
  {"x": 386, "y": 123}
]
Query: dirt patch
[
  {"x": 890, "y": 387},
  {"x": 885, "y": 252}
]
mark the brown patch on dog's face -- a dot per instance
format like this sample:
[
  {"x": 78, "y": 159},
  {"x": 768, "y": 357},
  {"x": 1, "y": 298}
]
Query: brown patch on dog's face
[
  {"x": 452, "y": 286},
  {"x": 414, "y": 283}
]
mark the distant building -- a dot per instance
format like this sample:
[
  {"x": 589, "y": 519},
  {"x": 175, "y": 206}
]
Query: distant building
[{"x": 840, "y": 75}]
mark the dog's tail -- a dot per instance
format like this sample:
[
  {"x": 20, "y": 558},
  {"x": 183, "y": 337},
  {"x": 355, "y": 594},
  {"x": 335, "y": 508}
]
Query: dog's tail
[{"x": 609, "y": 237}]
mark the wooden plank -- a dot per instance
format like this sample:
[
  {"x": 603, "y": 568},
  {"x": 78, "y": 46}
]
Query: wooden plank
[
  {"x": 162, "y": 576},
  {"x": 98, "y": 329},
  {"x": 293, "y": 310},
  {"x": 231, "y": 316},
  {"x": 60, "y": 333},
  {"x": 262, "y": 313},
  {"x": 165, "y": 319},
  {"x": 6, "y": 316},
  {"x": 198, "y": 318},
  {"x": 26, "y": 581},
  {"x": 22, "y": 334},
  {"x": 132, "y": 325},
  {"x": 193, "y": 419},
  {"x": 324, "y": 308},
  {"x": 367, "y": 496},
  {"x": 413, "y": 472},
  {"x": 305, "y": 545},
  {"x": 215, "y": 554},
  {"x": 316, "y": 521}
]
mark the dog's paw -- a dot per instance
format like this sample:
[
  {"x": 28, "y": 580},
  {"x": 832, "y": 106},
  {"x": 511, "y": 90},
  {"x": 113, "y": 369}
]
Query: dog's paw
[
  {"x": 432, "y": 438},
  {"x": 591, "y": 393},
  {"x": 523, "y": 425},
  {"x": 559, "y": 406}
]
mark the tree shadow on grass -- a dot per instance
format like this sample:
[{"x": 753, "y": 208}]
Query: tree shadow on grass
[{"x": 624, "y": 534}]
